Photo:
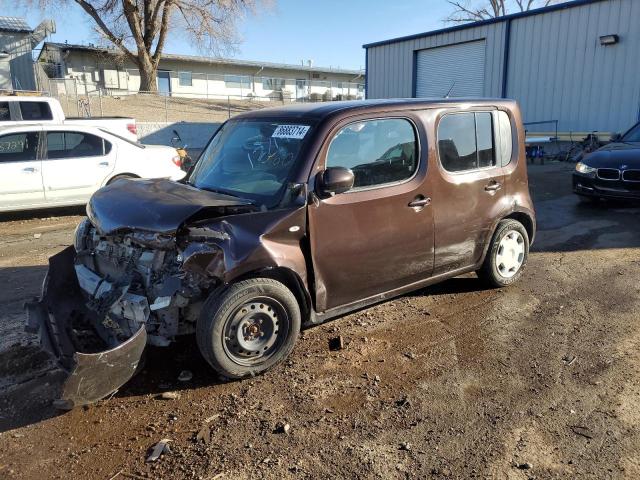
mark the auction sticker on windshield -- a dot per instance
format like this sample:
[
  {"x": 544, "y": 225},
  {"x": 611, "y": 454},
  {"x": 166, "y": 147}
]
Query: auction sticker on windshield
[{"x": 290, "y": 131}]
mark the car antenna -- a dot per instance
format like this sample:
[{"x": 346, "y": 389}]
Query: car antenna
[{"x": 449, "y": 92}]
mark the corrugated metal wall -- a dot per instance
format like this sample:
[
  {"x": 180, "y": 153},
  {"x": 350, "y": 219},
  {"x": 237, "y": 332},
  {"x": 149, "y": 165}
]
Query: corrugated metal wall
[
  {"x": 19, "y": 47},
  {"x": 391, "y": 67},
  {"x": 557, "y": 69}
]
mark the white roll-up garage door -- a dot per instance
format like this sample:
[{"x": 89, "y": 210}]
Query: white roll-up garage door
[{"x": 459, "y": 66}]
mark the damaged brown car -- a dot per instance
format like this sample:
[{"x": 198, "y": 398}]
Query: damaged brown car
[{"x": 290, "y": 217}]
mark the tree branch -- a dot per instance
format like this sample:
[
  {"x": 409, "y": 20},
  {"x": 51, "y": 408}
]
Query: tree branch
[{"x": 117, "y": 41}]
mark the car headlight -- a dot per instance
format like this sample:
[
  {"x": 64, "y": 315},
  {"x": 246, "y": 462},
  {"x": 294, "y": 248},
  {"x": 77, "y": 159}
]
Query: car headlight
[
  {"x": 583, "y": 168},
  {"x": 80, "y": 235}
]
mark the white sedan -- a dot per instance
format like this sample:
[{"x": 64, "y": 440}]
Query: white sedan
[{"x": 50, "y": 165}]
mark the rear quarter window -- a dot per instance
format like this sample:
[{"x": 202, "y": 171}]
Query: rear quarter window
[
  {"x": 35, "y": 111},
  {"x": 5, "y": 113}
]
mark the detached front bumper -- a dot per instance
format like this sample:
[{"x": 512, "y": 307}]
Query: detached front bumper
[{"x": 67, "y": 330}]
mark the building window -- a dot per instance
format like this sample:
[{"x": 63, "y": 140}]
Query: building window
[
  {"x": 185, "y": 79},
  {"x": 273, "y": 83},
  {"x": 465, "y": 141},
  {"x": 237, "y": 81},
  {"x": 378, "y": 152}
]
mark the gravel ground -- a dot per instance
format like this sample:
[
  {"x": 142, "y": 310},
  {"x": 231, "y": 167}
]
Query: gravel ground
[{"x": 538, "y": 380}]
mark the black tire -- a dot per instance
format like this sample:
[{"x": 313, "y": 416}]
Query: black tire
[
  {"x": 226, "y": 330},
  {"x": 490, "y": 272},
  {"x": 121, "y": 176}
]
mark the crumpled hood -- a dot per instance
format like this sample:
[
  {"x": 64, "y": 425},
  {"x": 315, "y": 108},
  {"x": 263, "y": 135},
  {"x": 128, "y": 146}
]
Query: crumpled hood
[
  {"x": 614, "y": 155},
  {"x": 158, "y": 205}
]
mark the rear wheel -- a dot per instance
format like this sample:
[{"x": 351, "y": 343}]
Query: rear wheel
[
  {"x": 248, "y": 328},
  {"x": 507, "y": 255}
]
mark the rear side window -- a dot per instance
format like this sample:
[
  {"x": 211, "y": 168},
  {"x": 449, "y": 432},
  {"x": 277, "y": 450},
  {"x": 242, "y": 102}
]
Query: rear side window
[
  {"x": 34, "y": 111},
  {"x": 75, "y": 145},
  {"x": 505, "y": 139},
  {"x": 5, "y": 113},
  {"x": 377, "y": 151},
  {"x": 19, "y": 147},
  {"x": 465, "y": 141}
]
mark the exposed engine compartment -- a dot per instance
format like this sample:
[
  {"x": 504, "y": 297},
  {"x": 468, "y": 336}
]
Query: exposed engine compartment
[{"x": 137, "y": 279}]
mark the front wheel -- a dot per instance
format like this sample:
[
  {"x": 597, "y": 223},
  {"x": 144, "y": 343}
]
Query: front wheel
[
  {"x": 248, "y": 328},
  {"x": 507, "y": 255}
]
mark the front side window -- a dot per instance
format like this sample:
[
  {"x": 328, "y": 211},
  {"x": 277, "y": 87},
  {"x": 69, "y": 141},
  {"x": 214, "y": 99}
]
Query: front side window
[
  {"x": 34, "y": 111},
  {"x": 185, "y": 79},
  {"x": 19, "y": 147},
  {"x": 251, "y": 159},
  {"x": 377, "y": 151},
  {"x": 5, "y": 113},
  {"x": 74, "y": 145},
  {"x": 465, "y": 141}
]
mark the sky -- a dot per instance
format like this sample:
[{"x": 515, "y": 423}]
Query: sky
[{"x": 328, "y": 32}]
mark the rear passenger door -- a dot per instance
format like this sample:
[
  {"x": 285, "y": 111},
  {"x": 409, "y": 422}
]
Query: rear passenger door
[
  {"x": 20, "y": 170},
  {"x": 76, "y": 164},
  {"x": 470, "y": 195}
]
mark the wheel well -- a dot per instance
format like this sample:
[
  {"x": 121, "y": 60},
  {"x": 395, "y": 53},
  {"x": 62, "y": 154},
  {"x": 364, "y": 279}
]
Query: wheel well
[
  {"x": 122, "y": 175},
  {"x": 526, "y": 222},
  {"x": 291, "y": 280}
]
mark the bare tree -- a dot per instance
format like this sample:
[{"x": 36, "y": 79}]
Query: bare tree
[
  {"x": 476, "y": 10},
  {"x": 140, "y": 28}
]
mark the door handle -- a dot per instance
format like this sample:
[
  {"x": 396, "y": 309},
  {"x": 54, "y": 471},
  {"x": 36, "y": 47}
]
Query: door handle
[
  {"x": 30, "y": 170},
  {"x": 493, "y": 187},
  {"x": 419, "y": 202},
  {"x": 103, "y": 164}
]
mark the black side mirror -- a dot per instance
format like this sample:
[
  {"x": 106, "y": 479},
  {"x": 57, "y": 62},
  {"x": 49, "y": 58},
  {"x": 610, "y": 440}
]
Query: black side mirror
[
  {"x": 335, "y": 180},
  {"x": 616, "y": 137}
]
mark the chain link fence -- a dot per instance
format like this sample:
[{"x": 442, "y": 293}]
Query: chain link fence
[{"x": 185, "y": 98}]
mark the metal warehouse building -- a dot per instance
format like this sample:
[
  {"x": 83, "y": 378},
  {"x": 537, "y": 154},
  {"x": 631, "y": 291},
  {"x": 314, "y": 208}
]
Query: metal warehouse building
[{"x": 577, "y": 63}]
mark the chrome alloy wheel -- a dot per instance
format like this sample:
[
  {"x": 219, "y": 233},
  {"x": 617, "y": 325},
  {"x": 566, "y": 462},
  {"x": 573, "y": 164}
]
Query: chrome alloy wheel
[
  {"x": 510, "y": 254},
  {"x": 255, "y": 331}
]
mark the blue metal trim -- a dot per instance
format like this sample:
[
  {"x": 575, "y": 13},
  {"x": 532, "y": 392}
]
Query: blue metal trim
[
  {"x": 366, "y": 74},
  {"x": 414, "y": 74},
  {"x": 537, "y": 11},
  {"x": 505, "y": 60}
]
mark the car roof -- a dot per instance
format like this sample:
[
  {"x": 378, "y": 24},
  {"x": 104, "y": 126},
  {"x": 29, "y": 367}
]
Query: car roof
[
  {"x": 22, "y": 98},
  {"x": 35, "y": 126},
  {"x": 322, "y": 110}
]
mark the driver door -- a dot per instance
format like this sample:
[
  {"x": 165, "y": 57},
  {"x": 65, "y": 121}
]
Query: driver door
[{"x": 372, "y": 239}]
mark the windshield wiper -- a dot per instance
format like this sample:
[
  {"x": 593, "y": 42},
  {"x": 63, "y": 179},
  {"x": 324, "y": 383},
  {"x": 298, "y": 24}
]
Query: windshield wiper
[{"x": 228, "y": 194}]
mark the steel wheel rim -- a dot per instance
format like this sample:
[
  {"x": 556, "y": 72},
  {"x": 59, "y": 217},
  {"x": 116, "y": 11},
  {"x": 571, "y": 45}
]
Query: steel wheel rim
[
  {"x": 255, "y": 331},
  {"x": 510, "y": 254}
]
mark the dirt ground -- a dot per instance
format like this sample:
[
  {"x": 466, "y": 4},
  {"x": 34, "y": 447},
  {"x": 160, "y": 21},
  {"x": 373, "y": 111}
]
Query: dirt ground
[{"x": 539, "y": 380}]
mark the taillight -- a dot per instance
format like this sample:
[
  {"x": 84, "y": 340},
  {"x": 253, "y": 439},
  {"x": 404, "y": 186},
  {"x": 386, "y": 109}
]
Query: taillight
[
  {"x": 177, "y": 160},
  {"x": 132, "y": 128}
]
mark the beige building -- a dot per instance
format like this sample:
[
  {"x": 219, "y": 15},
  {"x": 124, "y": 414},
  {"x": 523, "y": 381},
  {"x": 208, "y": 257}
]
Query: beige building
[{"x": 89, "y": 70}]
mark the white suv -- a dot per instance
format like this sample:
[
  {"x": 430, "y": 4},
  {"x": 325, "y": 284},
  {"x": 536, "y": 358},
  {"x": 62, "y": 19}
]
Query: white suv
[{"x": 59, "y": 165}]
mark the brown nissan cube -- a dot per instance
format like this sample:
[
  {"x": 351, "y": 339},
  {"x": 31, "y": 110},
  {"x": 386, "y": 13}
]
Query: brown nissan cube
[{"x": 290, "y": 217}]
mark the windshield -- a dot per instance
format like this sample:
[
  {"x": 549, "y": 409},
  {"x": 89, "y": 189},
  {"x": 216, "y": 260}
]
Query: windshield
[
  {"x": 632, "y": 135},
  {"x": 250, "y": 159}
]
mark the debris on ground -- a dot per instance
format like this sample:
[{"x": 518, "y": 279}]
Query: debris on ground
[
  {"x": 282, "y": 427},
  {"x": 336, "y": 343},
  {"x": 405, "y": 446},
  {"x": 159, "y": 448},
  {"x": 525, "y": 466},
  {"x": 569, "y": 359},
  {"x": 169, "y": 396},
  {"x": 185, "y": 376},
  {"x": 204, "y": 435},
  {"x": 37, "y": 235}
]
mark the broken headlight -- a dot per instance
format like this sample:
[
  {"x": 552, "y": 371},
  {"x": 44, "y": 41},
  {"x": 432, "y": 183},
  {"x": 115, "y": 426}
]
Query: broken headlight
[{"x": 80, "y": 235}]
